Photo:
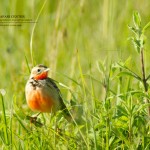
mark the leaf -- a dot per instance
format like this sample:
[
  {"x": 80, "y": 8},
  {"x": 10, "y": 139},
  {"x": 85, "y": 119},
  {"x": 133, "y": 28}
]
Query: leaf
[
  {"x": 126, "y": 73},
  {"x": 133, "y": 29},
  {"x": 122, "y": 110},
  {"x": 146, "y": 27},
  {"x": 137, "y": 20},
  {"x": 128, "y": 61},
  {"x": 141, "y": 107},
  {"x": 137, "y": 44},
  {"x": 148, "y": 77},
  {"x": 122, "y": 136},
  {"x": 111, "y": 140},
  {"x": 101, "y": 67},
  {"x": 130, "y": 72}
]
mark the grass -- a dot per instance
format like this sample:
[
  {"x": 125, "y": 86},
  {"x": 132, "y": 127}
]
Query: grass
[{"x": 99, "y": 73}]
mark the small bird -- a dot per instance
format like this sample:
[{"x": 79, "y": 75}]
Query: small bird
[{"x": 42, "y": 94}]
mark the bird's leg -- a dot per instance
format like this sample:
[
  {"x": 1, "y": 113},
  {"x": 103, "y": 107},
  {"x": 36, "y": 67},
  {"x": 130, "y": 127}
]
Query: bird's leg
[
  {"x": 34, "y": 120},
  {"x": 38, "y": 114}
]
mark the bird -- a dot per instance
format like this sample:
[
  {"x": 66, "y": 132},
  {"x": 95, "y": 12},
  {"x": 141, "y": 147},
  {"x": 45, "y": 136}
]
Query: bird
[{"x": 42, "y": 94}]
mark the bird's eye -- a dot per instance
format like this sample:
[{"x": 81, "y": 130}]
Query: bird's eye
[{"x": 39, "y": 70}]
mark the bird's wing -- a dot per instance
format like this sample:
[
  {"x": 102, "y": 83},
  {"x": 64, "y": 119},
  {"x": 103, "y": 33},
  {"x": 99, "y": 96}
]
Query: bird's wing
[{"x": 63, "y": 106}]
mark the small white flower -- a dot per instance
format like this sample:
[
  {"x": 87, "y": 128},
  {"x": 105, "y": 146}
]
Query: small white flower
[{"x": 2, "y": 91}]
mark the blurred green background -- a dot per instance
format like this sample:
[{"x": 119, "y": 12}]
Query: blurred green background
[{"x": 93, "y": 30}]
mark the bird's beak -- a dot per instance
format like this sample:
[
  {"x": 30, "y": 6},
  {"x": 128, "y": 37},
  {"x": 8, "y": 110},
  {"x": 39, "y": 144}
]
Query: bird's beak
[{"x": 47, "y": 69}]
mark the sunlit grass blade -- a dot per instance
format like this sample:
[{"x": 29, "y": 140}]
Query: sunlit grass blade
[
  {"x": 6, "y": 133},
  {"x": 71, "y": 79},
  {"x": 32, "y": 34},
  {"x": 84, "y": 93},
  {"x": 20, "y": 121},
  {"x": 27, "y": 63}
]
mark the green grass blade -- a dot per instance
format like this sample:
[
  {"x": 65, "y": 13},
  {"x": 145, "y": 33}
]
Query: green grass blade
[
  {"x": 32, "y": 33},
  {"x": 20, "y": 121},
  {"x": 27, "y": 64},
  {"x": 5, "y": 121}
]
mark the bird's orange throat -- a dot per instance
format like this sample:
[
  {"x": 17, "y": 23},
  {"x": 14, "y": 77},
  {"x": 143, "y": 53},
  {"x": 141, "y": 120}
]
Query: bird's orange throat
[{"x": 41, "y": 76}]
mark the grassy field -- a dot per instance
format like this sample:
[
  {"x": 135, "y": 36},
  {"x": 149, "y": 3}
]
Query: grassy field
[{"x": 98, "y": 51}]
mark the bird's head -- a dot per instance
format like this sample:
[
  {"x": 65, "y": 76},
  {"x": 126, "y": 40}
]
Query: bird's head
[{"x": 39, "y": 72}]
